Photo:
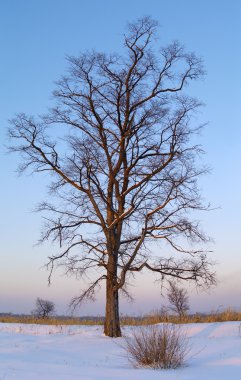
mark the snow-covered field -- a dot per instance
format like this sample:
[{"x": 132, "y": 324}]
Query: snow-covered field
[{"x": 82, "y": 352}]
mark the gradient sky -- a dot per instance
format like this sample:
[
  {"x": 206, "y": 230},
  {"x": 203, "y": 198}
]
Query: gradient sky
[{"x": 35, "y": 37}]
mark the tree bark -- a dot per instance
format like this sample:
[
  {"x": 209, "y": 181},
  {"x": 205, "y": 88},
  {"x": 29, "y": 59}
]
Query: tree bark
[{"x": 112, "y": 320}]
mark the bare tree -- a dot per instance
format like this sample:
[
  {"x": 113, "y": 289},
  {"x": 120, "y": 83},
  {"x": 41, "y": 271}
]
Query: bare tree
[
  {"x": 123, "y": 167},
  {"x": 44, "y": 308},
  {"x": 178, "y": 299}
]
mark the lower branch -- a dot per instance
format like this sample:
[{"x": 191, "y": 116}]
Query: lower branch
[{"x": 88, "y": 294}]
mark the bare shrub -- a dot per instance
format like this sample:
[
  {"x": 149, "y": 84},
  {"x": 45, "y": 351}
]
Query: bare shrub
[{"x": 159, "y": 347}]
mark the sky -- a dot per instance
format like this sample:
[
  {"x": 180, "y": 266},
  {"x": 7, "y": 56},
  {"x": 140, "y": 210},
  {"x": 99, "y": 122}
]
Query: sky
[{"x": 35, "y": 38}]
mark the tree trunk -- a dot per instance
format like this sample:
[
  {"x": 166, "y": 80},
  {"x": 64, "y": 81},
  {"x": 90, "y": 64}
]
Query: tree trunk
[{"x": 112, "y": 320}]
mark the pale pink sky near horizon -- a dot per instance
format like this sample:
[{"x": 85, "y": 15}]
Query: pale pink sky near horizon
[{"x": 35, "y": 38}]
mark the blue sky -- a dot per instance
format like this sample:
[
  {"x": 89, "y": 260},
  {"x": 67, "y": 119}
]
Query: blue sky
[{"x": 35, "y": 37}]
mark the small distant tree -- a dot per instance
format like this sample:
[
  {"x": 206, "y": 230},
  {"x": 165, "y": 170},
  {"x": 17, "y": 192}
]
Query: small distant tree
[
  {"x": 44, "y": 308},
  {"x": 178, "y": 299}
]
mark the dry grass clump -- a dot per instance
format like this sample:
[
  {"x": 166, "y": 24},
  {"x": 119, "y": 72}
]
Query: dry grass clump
[
  {"x": 158, "y": 347},
  {"x": 224, "y": 316}
]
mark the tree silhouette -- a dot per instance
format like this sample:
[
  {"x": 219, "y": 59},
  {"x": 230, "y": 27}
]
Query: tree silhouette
[
  {"x": 118, "y": 147},
  {"x": 44, "y": 308},
  {"x": 178, "y": 299}
]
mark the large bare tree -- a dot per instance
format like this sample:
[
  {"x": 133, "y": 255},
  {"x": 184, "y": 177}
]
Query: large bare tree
[{"x": 119, "y": 147}]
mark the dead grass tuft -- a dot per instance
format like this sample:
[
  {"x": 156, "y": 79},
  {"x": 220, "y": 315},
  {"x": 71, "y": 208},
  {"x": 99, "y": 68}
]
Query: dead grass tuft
[{"x": 158, "y": 347}]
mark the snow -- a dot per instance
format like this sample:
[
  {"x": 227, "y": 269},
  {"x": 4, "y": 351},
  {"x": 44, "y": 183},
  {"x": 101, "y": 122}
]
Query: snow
[{"x": 84, "y": 353}]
